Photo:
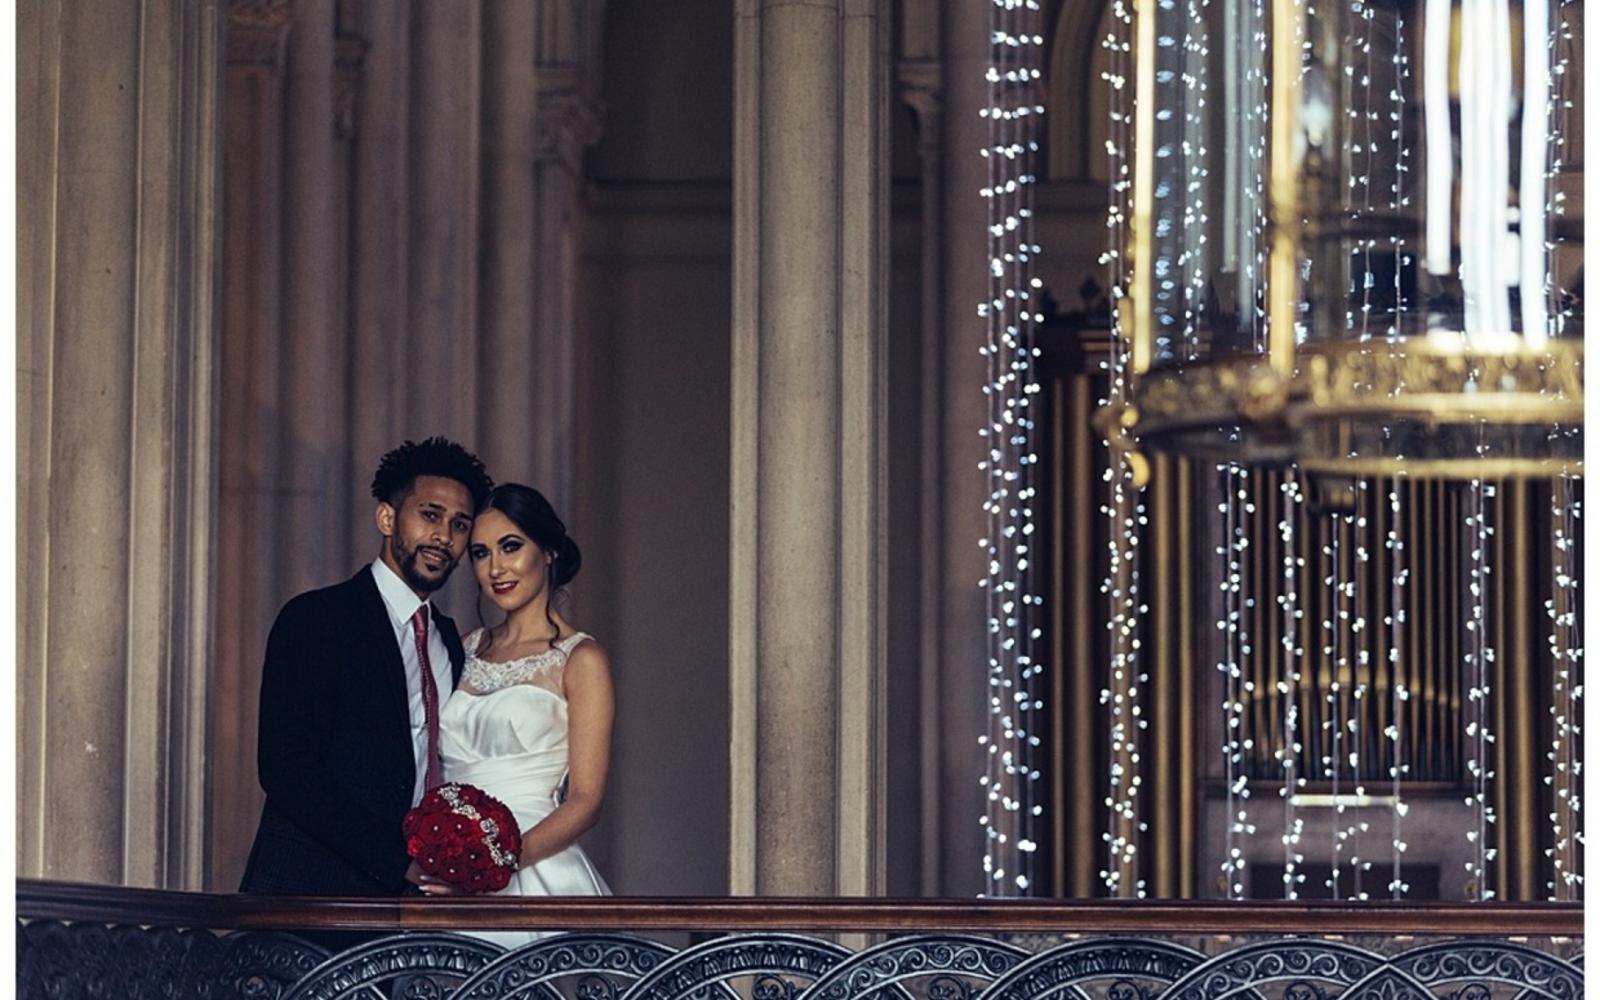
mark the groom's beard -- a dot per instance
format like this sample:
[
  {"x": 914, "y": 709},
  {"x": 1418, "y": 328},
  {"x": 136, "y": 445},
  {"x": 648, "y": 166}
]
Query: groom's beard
[{"x": 412, "y": 568}]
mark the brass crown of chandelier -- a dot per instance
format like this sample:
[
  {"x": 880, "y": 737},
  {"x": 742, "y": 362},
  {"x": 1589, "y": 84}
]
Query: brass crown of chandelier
[{"x": 1350, "y": 240}]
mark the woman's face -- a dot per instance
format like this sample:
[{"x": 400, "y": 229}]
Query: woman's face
[{"x": 511, "y": 569}]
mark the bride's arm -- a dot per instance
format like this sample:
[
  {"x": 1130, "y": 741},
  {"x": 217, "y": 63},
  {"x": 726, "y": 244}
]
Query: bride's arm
[{"x": 590, "y": 709}]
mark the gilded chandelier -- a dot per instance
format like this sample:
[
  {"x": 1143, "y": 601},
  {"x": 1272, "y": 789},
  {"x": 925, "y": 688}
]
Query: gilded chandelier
[{"x": 1350, "y": 240}]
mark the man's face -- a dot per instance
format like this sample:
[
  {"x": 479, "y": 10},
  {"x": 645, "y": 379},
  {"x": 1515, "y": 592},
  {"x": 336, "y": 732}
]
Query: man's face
[{"x": 425, "y": 537}]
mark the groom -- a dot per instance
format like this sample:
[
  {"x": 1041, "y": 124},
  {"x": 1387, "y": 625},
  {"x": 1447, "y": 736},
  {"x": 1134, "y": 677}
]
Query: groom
[{"x": 354, "y": 678}]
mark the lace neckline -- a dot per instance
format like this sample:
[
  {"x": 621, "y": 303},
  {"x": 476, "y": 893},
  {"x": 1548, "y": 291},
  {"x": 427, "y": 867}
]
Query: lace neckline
[
  {"x": 542, "y": 670},
  {"x": 562, "y": 648}
]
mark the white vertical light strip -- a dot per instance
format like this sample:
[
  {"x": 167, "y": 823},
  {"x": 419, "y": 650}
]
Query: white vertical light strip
[
  {"x": 1398, "y": 196},
  {"x": 1437, "y": 132},
  {"x": 1290, "y": 747},
  {"x": 1232, "y": 148},
  {"x": 1535, "y": 150},
  {"x": 1010, "y": 313},
  {"x": 1333, "y": 655},
  {"x": 1237, "y": 510},
  {"x": 1121, "y": 509},
  {"x": 1500, "y": 255},
  {"x": 1398, "y": 693},
  {"x": 1474, "y": 229},
  {"x": 1360, "y": 668},
  {"x": 1195, "y": 146},
  {"x": 1245, "y": 50},
  {"x": 1477, "y": 658},
  {"x": 1566, "y": 654},
  {"x": 1253, "y": 226}
]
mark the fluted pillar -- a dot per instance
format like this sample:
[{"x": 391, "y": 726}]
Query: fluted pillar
[
  {"x": 441, "y": 350},
  {"x": 568, "y": 122},
  {"x": 310, "y": 476},
  {"x": 510, "y": 362},
  {"x": 962, "y": 659},
  {"x": 920, "y": 74},
  {"x": 379, "y": 264},
  {"x": 117, "y": 164},
  {"x": 806, "y": 656},
  {"x": 249, "y": 355}
]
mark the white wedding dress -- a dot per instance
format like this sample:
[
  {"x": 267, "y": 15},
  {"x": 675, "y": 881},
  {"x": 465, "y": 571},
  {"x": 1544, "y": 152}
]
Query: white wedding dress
[{"x": 505, "y": 731}]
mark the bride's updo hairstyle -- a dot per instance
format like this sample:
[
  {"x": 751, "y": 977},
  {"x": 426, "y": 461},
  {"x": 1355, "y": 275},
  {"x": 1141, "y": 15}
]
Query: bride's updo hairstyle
[{"x": 532, "y": 514}]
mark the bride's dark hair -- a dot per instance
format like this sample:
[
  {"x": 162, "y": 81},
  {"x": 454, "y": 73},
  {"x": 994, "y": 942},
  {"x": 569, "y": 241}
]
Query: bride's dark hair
[{"x": 532, "y": 514}]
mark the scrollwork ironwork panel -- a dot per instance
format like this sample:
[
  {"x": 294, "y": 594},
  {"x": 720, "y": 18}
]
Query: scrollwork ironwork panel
[
  {"x": 598, "y": 966},
  {"x": 62, "y": 961}
]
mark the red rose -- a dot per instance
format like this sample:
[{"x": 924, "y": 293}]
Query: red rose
[{"x": 445, "y": 834}]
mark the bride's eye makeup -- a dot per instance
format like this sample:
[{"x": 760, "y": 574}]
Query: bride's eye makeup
[{"x": 478, "y": 552}]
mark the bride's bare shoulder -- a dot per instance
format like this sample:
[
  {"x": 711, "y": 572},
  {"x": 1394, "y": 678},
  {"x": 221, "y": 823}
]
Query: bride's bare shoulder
[
  {"x": 472, "y": 640},
  {"x": 588, "y": 657}
]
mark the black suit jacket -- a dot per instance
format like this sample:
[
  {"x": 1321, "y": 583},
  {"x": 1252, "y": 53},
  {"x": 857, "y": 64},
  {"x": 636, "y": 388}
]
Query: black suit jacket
[{"x": 335, "y": 753}]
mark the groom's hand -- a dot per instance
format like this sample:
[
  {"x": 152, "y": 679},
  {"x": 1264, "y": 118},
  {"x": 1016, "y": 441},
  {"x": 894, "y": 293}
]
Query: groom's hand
[{"x": 429, "y": 884}]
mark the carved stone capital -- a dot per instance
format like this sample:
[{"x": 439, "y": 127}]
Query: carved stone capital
[
  {"x": 567, "y": 122},
  {"x": 257, "y": 31},
  {"x": 921, "y": 85}
]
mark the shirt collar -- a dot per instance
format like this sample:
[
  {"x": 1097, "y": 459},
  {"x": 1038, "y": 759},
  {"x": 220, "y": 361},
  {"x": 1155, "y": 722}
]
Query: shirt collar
[{"x": 400, "y": 599}]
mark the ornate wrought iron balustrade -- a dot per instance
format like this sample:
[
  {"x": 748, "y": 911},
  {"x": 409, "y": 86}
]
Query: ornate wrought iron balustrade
[{"x": 91, "y": 941}]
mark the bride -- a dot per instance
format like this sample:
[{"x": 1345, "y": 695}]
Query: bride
[{"x": 530, "y": 720}]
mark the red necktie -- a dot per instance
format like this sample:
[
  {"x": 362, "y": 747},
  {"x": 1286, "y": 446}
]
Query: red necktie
[{"x": 430, "y": 698}]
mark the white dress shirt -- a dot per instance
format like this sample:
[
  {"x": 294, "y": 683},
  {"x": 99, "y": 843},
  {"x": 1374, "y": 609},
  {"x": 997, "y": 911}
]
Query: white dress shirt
[{"x": 403, "y": 603}]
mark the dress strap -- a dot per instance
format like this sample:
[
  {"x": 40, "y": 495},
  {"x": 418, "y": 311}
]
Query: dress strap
[{"x": 570, "y": 643}]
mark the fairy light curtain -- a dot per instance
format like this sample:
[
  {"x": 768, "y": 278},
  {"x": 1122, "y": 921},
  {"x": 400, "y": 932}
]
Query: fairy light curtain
[
  {"x": 1011, "y": 743},
  {"x": 1377, "y": 639}
]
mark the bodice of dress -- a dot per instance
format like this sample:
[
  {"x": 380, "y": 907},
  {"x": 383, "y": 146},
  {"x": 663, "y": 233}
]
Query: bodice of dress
[{"x": 505, "y": 728}]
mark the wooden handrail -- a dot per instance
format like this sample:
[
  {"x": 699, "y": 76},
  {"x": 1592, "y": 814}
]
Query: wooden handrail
[{"x": 79, "y": 902}]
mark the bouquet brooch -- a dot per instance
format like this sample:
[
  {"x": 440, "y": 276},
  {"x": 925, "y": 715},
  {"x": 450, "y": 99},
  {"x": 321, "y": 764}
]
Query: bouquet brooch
[{"x": 464, "y": 836}]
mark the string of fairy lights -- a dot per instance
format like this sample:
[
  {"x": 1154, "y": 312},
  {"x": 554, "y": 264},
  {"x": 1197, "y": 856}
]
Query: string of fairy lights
[
  {"x": 1290, "y": 744},
  {"x": 1343, "y": 573},
  {"x": 1335, "y": 632},
  {"x": 1563, "y": 607},
  {"x": 1477, "y": 662},
  {"x": 1394, "y": 620},
  {"x": 1010, "y": 311},
  {"x": 1235, "y": 506},
  {"x": 1122, "y": 507},
  {"x": 1566, "y": 654},
  {"x": 1194, "y": 250},
  {"x": 1399, "y": 692}
]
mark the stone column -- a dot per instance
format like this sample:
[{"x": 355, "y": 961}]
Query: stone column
[
  {"x": 440, "y": 354},
  {"x": 510, "y": 362},
  {"x": 312, "y": 415},
  {"x": 806, "y": 656},
  {"x": 962, "y": 663},
  {"x": 568, "y": 123},
  {"x": 381, "y": 237},
  {"x": 921, "y": 79},
  {"x": 247, "y": 595},
  {"x": 117, "y": 171}
]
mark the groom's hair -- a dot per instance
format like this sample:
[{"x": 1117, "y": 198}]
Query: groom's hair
[{"x": 437, "y": 456}]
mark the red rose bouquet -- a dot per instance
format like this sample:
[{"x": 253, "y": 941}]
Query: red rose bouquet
[{"x": 462, "y": 835}]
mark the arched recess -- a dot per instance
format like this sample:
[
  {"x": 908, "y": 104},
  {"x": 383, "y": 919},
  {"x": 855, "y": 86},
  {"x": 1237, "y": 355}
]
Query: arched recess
[
  {"x": 1078, "y": 95},
  {"x": 651, "y": 288}
]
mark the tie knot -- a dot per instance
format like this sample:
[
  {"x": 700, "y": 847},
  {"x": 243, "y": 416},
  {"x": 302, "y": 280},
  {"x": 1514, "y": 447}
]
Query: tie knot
[{"x": 419, "y": 622}]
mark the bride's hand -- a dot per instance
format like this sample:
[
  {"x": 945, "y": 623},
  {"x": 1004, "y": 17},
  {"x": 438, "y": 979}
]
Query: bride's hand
[{"x": 429, "y": 884}]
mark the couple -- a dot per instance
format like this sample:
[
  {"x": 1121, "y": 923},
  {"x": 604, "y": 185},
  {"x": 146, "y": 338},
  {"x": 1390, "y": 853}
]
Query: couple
[{"x": 369, "y": 697}]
